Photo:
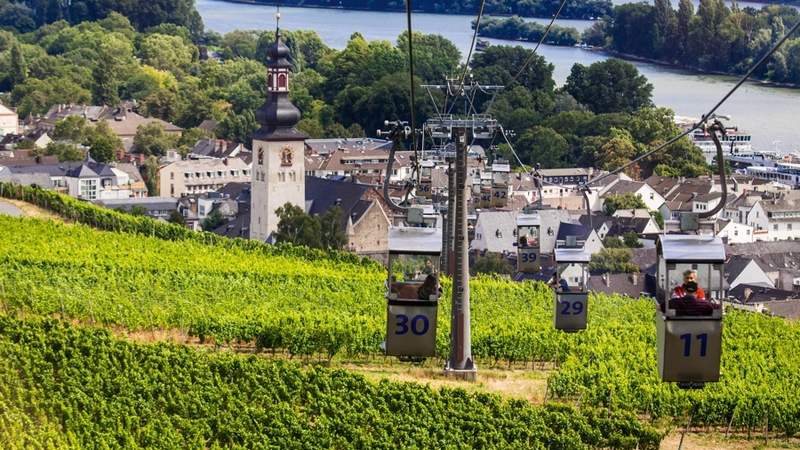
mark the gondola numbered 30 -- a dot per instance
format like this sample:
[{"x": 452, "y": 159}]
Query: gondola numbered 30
[
  {"x": 690, "y": 286},
  {"x": 412, "y": 296},
  {"x": 571, "y": 292}
]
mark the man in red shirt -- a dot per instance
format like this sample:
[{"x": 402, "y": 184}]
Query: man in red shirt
[{"x": 689, "y": 299}]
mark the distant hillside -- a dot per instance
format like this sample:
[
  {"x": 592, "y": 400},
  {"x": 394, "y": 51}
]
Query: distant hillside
[{"x": 577, "y": 9}]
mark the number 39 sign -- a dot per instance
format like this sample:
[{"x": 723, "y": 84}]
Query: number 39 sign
[{"x": 411, "y": 328}]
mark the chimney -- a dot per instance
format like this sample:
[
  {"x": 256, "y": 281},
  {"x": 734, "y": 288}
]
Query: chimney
[{"x": 607, "y": 279}]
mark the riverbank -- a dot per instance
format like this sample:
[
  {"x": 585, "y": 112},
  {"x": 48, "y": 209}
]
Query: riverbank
[
  {"x": 687, "y": 68},
  {"x": 395, "y": 10}
]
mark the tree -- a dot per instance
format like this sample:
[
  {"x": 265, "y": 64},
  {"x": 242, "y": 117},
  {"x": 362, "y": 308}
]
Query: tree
[
  {"x": 628, "y": 200},
  {"x": 19, "y": 67},
  {"x": 614, "y": 260},
  {"x": 332, "y": 236},
  {"x": 71, "y": 128},
  {"x": 609, "y": 86},
  {"x": 297, "y": 227},
  {"x": 151, "y": 139},
  {"x": 492, "y": 263},
  {"x": 544, "y": 146},
  {"x": 103, "y": 143},
  {"x": 238, "y": 127},
  {"x": 65, "y": 151},
  {"x": 177, "y": 218},
  {"x": 613, "y": 242},
  {"x": 631, "y": 240},
  {"x": 114, "y": 58},
  {"x": 149, "y": 171},
  {"x": 213, "y": 220},
  {"x": 164, "y": 52},
  {"x": 138, "y": 210}
]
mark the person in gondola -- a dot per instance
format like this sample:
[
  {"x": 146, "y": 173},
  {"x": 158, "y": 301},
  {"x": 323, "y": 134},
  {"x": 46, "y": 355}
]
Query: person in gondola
[
  {"x": 429, "y": 287},
  {"x": 689, "y": 299}
]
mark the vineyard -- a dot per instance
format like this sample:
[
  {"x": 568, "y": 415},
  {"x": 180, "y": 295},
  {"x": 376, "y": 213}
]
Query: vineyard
[
  {"x": 315, "y": 308},
  {"x": 70, "y": 387}
]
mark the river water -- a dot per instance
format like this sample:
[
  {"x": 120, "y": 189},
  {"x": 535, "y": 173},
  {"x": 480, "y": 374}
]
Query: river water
[{"x": 769, "y": 113}]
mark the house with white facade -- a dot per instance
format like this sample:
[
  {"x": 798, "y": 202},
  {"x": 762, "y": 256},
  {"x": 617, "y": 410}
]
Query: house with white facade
[
  {"x": 495, "y": 232},
  {"x": 9, "y": 121},
  {"x": 199, "y": 176},
  {"x": 735, "y": 232},
  {"x": 98, "y": 181},
  {"x": 743, "y": 270},
  {"x": 651, "y": 198}
]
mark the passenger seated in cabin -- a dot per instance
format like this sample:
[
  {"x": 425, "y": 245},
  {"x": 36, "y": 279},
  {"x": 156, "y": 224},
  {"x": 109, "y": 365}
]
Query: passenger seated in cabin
[
  {"x": 429, "y": 287},
  {"x": 562, "y": 283},
  {"x": 415, "y": 290},
  {"x": 689, "y": 299}
]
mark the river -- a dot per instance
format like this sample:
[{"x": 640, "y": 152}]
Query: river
[{"x": 769, "y": 113}]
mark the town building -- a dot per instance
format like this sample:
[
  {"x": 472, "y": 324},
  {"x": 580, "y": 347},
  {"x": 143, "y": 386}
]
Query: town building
[
  {"x": 156, "y": 207},
  {"x": 9, "y": 121},
  {"x": 198, "y": 176}
]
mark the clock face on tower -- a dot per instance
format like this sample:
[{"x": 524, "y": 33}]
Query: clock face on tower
[{"x": 287, "y": 156}]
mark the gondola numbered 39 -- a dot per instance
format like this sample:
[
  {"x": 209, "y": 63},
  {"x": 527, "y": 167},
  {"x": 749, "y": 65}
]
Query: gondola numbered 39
[
  {"x": 412, "y": 292},
  {"x": 571, "y": 293},
  {"x": 528, "y": 239},
  {"x": 689, "y": 330}
]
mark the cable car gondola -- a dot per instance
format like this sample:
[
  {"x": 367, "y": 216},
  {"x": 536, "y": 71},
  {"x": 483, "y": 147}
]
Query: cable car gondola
[
  {"x": 412, "y": 291},
  {"x": 572, "y": 293},
  {"x": 501, "y": 176},
  {"x": 425, "y": 187},
  {"x": 528, "y": 250},
  {"x": 690, "y": 269}
]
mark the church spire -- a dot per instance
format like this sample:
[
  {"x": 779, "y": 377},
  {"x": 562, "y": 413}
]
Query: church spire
[{"x": 278, "y": 116}]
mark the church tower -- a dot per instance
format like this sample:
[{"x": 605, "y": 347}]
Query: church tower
[{"x": 278, "y": 174}]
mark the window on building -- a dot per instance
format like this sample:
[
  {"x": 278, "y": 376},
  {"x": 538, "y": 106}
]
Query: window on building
[
  {"x": 260, "y": 156},
  {"x": 219, "y": 173},
  {"x": 788, "y": 227},
  {"x": 208, "y": 174},
  {"x": 88, "y": 189},
  {"x": 282, "y": 81},
  {"x": 775, "y": 227},
  {"x": 172, "y": 175}
]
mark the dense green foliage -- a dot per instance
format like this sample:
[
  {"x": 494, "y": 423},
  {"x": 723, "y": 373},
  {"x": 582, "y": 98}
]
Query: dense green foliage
[
  {"x": 517, "y": 29},
  {"x": 107, "y": 219},
  {"x": 613, "y": 259},
  {"x": 579, "y": 9},
  {"x": 628, "y": 200},
  {"x": 332, "y": 309},
  {"x": 26, "y": 15},
  {"x": 715, "y": 37},
  {"x": 323, "y": 231},
  {"x": 66, "y": 386},
  {"x": 609, "y": 86}
]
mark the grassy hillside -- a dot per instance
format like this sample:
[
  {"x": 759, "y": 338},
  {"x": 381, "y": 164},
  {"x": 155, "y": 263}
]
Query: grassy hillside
[
  {"x": 65, "y": 386},
  {"x": 335, "y": 309}
]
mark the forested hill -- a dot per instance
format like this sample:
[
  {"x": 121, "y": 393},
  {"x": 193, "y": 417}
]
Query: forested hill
[
  {"x": 577, "y": 9},
  {"x": 712, "y": 37},
  {"x": 27, "y": 15}
]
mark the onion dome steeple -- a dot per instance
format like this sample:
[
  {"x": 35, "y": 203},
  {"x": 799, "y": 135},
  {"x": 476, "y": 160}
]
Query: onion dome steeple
[{"x": 278, "y": 116}]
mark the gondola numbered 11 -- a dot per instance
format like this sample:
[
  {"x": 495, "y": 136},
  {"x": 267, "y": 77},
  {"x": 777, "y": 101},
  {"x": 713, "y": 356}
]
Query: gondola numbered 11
[
  {"x": 571, "y": 293},
  {"x": 412, "y": 295},
  {"x": 689, "y": 319}
]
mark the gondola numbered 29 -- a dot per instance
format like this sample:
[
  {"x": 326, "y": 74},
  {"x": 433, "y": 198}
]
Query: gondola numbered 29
[
  {"x": 571, "y": 293},
  {"x": 690, "y": 283},
  {"x": 412, "y": 292}
]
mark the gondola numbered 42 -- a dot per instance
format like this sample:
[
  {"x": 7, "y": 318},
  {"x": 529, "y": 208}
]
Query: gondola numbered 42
[
  {"x": 412, "y": 292},
  {"x": 571, "y": 293},
  {"x": 690, "y": 285}
]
